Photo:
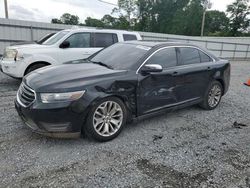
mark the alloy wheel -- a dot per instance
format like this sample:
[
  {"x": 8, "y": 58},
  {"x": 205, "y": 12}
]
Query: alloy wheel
[
  {"x": 214, "y": 96},
  {"x": 108, "y": 118}
]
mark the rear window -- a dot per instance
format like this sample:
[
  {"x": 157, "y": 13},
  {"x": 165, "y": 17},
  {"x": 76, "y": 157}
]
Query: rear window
[
  {"x": 102, "y": 40},
  {"x": 204, "y": 57},
  {"x": 128, "y": 37}
]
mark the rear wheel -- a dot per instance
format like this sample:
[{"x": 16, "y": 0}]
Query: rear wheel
[
  {"x": 213, "y": 96},
  {"x": 106, "y": 119},
  {"x": 34, "y": 67}
]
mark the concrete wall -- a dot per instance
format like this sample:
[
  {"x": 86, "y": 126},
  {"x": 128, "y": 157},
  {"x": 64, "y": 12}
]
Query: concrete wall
[{"x": 12, "y": 31}]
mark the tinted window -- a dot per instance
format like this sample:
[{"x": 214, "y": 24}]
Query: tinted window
[
  {"x": 189, "y": 56},
  {"x": 79, "y": 40},
  {"x": 204, "y": 57},
  {"x": 102, "y": 40},
  {"x": 56, "y": 38},
  {"x": 127, "y": 37},
  {"x": 166, "y": 58},
  {"x": 121, "y": 56}
]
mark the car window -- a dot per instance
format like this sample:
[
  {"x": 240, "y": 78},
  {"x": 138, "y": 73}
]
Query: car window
[
  {"x": 189, "y": 56},
  {"x": 204, "y": 57},
  {"x": 55, "y": 38},
  {"x": 79, "y": 40},
  {"x": 166, "y": 58},
  {"x": 102, "y": 40},
  {"x": 128, "y": 37}
]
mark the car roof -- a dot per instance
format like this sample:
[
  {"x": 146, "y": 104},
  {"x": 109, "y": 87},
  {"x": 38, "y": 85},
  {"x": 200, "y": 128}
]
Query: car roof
[
  {"x": 159, "y": 43},
  {"x": 100, "y": 30}
]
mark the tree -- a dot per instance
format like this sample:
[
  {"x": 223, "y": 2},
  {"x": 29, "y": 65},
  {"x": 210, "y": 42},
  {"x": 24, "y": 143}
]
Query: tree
[
  {"x": 66, "y": 18},
  {"x": 56, "y": 21},
  {"x": 69, "y": 19},
  {"x": 126, "y": 9},
  {"x": 188, "y": 20},
  {"x": 216, "y": 23},
  {"x": 239, "y": 20},
  {"x": 92, "y": 22}
]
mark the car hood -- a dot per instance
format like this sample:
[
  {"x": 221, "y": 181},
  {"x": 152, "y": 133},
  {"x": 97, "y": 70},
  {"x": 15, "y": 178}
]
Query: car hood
[
  {"x": 68, "y": 77},
  {"x": 27, "y": 46}
]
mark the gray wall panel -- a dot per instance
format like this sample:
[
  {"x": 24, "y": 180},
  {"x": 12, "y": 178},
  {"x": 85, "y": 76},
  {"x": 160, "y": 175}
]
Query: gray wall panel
[{"x": 227, "y": 47}]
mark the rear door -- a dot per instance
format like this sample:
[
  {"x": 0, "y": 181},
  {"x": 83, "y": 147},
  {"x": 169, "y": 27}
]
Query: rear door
[
  {"x": 157, "y": 90},
  {"x": 103, "y": 40},
  {"x": 192, "y": 74}
]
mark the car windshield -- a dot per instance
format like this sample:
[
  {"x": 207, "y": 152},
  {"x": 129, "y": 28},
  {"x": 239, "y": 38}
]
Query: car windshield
[
  {"x": 55, "y": 38},
  {"x": 120, "y": 56},
  {"x": 44, "y": 38}
]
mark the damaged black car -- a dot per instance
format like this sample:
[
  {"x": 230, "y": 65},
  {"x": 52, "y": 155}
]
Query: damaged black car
[{"x": 127, "y": 81}]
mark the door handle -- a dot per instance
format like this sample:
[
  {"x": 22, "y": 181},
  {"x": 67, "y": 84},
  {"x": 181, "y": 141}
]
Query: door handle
[{"x": 209, "y": 68}]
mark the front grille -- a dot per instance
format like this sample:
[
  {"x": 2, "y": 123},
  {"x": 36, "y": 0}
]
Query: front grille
[{"x": 25, "y": 95}]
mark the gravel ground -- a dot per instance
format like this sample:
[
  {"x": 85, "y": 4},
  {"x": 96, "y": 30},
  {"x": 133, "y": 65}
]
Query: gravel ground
[{"x": 186, "y": 148}]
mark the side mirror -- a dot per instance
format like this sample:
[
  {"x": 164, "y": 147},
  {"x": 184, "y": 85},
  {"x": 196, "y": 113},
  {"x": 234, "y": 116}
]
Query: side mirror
[
  {"x": 151, "y": 68},
  {"x": 65, "y": 44}
]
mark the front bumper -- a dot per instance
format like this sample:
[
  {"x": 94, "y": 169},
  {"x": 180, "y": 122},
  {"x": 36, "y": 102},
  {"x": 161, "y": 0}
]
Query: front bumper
[
  {"x": 63, "y": 122},
  {"x": 13, "y": 68}
]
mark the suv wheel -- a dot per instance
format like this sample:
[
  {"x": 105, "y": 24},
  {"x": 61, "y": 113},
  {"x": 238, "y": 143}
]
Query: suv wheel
[
  {"x": 34, "y": 67},
  {"x": 213, "y": 96},
  {"x": 106, "y": 119}
]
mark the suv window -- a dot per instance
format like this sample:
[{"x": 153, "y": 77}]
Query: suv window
[
  {"x": 128, "y": 37},
  {"x": 204, "y": 57},
  {"x": 188, "y": 56},
  {"x": 102, "y": 40},
  {"x": 79, "y": 40},
  {"x": 166, "y": 58}
]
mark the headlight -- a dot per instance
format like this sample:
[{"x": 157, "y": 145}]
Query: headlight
[
  {"x": 10, "y": 54},
  {"x": 61, "y": 97}
]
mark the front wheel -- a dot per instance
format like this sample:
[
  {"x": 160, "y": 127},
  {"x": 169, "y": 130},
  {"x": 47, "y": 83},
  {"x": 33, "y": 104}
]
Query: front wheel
[
  {"x": 34, "y": 67},
  {"x": 106, "y": 119},
  {"x": 213, "y": 96}
]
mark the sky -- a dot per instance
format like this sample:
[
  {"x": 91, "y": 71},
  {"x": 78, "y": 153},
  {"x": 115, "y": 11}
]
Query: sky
[{"x": 45, "y": 10}]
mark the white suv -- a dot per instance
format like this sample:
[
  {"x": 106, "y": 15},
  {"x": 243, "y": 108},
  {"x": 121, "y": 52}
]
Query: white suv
[{"x": 64, "y": 46}]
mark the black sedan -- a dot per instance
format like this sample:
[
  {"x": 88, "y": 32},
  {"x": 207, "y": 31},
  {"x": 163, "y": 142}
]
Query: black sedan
[{"x": 124, "y": 82}]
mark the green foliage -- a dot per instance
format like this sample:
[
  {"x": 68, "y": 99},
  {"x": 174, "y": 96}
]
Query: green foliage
[
  {"x": 239, "y": 20},
  {"x": 126, "y": 9},
  {"x": 217, "y": 23},
  {"x": 183, "y": 17},
  {"x": 56, "y": 21},
  {"x": 66, "y": 18},
  {"x": 92, "y": 22}
]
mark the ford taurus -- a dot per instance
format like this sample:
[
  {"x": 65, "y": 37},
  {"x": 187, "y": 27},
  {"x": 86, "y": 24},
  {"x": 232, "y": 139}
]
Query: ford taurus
[{"x": 124, "y": 82}]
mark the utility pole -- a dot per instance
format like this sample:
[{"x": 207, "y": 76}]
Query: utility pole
[
  {"x": 6, "y": 9},
  {"x": 206, "y": 5}
]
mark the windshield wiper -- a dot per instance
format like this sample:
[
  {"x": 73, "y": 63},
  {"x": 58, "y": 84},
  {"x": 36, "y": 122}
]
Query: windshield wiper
[{"x": 102, "y": 64}]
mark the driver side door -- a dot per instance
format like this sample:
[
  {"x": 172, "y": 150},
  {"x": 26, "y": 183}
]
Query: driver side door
[
  {"x": 157, "y": 91},
  {"x": 79, "y": 48}
]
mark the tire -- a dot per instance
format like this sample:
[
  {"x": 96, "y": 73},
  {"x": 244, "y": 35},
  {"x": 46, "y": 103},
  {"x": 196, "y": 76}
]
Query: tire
[
  {"x": 34, "y": 67},
  {"x": 100, "y": 118},
  {"x": 213, "y": 96}
]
